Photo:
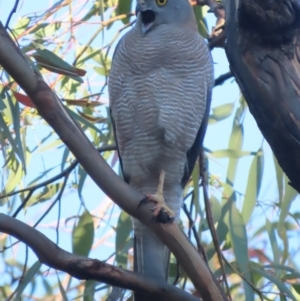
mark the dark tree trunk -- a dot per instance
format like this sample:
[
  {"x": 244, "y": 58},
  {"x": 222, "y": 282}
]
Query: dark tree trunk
[{"x": 263, "y": 49}]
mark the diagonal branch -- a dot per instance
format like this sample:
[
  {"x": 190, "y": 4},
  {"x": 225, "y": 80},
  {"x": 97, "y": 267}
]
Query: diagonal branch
[
  {"x": 51, "y": 109},
  {"x": 86, "y": 268}
]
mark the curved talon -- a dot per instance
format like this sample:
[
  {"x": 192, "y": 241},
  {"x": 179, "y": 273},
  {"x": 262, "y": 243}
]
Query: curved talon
[{"x": 161, "y": 211}]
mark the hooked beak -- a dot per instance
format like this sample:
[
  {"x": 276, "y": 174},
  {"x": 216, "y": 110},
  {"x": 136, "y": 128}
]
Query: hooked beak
[{"x": 147, "y": 15}]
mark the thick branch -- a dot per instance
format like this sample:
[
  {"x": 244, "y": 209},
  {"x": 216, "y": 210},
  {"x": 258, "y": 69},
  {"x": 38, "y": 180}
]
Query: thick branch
[
  {"x": 263, "y": 49},
  {"x": 85, "y": 268},
  {"x": 52, "y": 110}
]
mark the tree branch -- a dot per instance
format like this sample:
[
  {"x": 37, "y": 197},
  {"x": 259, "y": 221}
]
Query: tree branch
[
  {"x": 218, "y": 36},
  {"x": 14, "y": 9},
  {"x": 222, "y": 78},
  {"x": 263, "y": 51},
  {"x": 80, "y": 267},
  {"x": 51, "y": 109}
]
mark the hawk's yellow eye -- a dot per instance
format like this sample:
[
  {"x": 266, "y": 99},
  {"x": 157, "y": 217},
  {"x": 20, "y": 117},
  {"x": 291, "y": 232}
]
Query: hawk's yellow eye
[{"x": 161, "y": 2}]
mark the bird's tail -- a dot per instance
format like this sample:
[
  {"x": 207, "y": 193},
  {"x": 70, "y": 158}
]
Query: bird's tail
[{"x": 151, "y": 256}]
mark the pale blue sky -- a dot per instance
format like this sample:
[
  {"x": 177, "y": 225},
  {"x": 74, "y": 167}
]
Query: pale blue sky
[{"x": 217, "y": 138}]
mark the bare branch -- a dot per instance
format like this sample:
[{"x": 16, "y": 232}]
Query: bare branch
[
  {"x": 218, "y": 36},
  {"x": 14, "y": 9},
  {"x": 89, "y": 269},
  {"x": 210, "y": 220},
  {"x": 222, "y": 78}
]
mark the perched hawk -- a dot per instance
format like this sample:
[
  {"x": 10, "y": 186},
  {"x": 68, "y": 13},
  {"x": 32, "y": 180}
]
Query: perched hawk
[{"x": 160, "y": 89}]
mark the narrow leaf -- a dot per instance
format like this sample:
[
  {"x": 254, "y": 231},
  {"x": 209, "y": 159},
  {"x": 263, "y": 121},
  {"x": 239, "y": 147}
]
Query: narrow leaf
[
  {"x": 273, "y": 240},
  {"x": 253, "y": 187},
  {"x": 195, "y": 178},
  {"x": 223, "y": 111},
  {"x": 231, "y": 153},
  {"x": 83, "y": 235},
  {"x": 61, "y": 289},
  {"x": 124, "y": 7},
  {"x": 89, "y": 290},
  {"x": 238, "y": 235},
  {"x": 124, "y": 227},
  {"x": 28, "y": 278},
  {"x": 283, "y": 289}
]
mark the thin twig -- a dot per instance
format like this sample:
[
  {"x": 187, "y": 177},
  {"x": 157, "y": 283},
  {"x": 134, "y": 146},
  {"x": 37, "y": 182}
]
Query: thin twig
[
  {"x": 210, "y": 221},
  {"x": 222, "y": 78},
  {"x": 192, "y": 226},
  {"x": 53, "y": 179},
  {"x": 218, "y": 35},
  {"x": 241, "y": 275},
  {"x": 14, "y": 10},
  {"x": 22, "y": 276}
]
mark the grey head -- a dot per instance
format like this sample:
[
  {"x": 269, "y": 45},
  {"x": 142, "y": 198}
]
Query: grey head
[{"x": 153, "y": 13}]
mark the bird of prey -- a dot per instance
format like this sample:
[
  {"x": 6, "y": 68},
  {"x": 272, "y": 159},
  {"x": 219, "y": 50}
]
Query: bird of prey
[{"x": 160, "y": 87}]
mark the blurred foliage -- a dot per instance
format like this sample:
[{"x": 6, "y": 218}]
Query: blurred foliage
[{"x": 71, "y": 44}]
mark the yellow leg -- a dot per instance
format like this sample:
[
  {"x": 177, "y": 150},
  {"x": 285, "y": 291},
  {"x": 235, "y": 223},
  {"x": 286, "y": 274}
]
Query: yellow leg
[{"x": 158, "y": 198}]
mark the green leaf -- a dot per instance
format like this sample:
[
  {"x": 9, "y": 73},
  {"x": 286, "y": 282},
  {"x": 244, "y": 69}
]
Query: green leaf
[
  {"x": 296, "y": 287},
  {"x": 124, "y": 227},
  {"x": 195, "y": 178},
  {"x": 15, "y": 111},
  {"x": 222, "y": 231},
  {"x": 55, "y": 61},
  {"x": 231, "y": 153},
  {"x": 14, "y": 179},
  {"x": 238, "y": 236},
  {"x": 89, "y": 290},
  {"x": 124, "y": 7},
  {"x": 273, "y": 240},
  {"x": 283, "y": 289},
  {"x": 47, "y": 286},
  {"x": 82, "y": 120},
  {"x": 235, "y": 143},
  {"x": 5, "y": 129},
  {"x": 28, "y": 278},
  {"x": 253, "y": 187},
  {"x": 83, "y": 235},
  {"x": 292, "y": 271},
  {"x": 279, "y": 178},
  {"x": 223, "y": 111},
  {"x": 64, "y": 158},
  {"x": 47, "y": 193},
  {"x": 216, "y": 210},
  {"x": 62, "y": 290},
  {"x": 200, "y": 12},
  {"x": 21, "y": 26},
  {"x": 101, "y": 71},
  {"x": 289, "y": 196},
  {"x": 50, "y": 146},
  {"x": 287, "y": 225},
  {"x": 82, "y": 177}
]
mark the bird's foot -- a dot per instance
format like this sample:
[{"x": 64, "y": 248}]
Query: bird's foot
[{"x": 161, "y": 211}]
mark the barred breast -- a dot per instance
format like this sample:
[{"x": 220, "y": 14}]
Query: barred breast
[{"x": 158, "y": 91}]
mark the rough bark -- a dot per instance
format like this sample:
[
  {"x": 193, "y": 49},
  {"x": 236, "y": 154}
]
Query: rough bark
[
  {"x": 263, "y": 49},
  {"x": 51, "y": 109},
  {"x": 86, "y": 268}
]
